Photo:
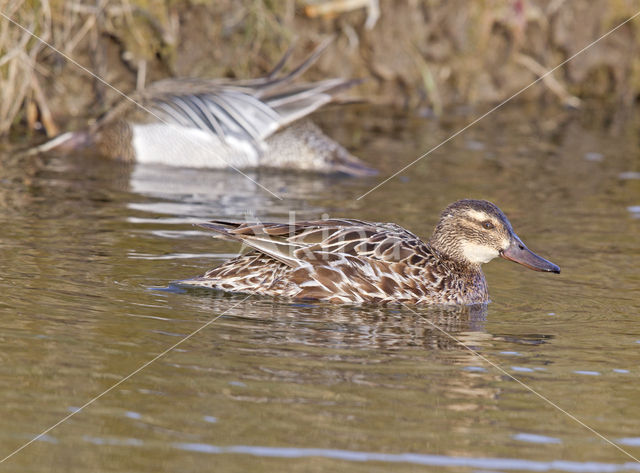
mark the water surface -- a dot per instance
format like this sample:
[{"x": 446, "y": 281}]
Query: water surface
[{"x": 88, "y": 251}]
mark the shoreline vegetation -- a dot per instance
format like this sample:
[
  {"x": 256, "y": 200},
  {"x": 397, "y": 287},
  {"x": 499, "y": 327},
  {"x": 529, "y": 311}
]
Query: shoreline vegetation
[{"x": 424, "y": 55}]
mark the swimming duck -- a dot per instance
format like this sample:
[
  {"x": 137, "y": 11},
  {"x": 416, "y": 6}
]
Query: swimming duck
[
  {"x": 222, "y": 124},
  {"x": 352, "y": 261}
]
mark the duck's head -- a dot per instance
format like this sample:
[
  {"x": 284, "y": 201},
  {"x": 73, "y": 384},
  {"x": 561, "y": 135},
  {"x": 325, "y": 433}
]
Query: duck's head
[{"x": 473, "y": 232}]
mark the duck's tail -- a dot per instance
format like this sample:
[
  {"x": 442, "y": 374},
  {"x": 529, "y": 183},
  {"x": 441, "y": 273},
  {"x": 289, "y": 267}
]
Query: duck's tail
[{"x": 64, "y": 143}]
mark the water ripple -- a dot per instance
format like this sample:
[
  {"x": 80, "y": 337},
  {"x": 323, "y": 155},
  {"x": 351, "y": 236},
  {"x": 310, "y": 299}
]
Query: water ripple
[
  {"x": 535, "y": 438},
  {"x": 412, "y": 458}
]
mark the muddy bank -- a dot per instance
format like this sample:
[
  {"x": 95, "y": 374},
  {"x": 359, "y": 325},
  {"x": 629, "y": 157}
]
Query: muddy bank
[{"x": 428, "y": 55}]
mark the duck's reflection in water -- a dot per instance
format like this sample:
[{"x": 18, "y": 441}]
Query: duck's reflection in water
[
  {"x": 388, "y": 327},
  {"x": 207, "y": 194},
  {"x": 423, "y": 351}
]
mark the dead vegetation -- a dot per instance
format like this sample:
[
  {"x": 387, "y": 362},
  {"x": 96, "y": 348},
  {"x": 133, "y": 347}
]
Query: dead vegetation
[
  {"x": 20, "y": 89},
  {"x": 426, "y": 54}
]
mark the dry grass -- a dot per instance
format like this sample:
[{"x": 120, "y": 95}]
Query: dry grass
[
  {"x": 31, "y": 73},
  {"x": 19, "y": 86},
  {"x": 418, "y": 54}
]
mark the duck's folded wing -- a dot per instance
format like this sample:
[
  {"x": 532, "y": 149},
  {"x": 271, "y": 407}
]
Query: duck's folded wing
[
  {"x": 306, "y": 242},
  {"x": 266, "y": 240}
]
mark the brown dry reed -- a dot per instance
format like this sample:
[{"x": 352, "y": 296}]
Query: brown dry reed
[{"x": 417, "y": 54}]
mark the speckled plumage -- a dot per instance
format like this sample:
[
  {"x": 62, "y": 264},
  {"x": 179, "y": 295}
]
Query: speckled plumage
[{"x": 352, "y": 261}]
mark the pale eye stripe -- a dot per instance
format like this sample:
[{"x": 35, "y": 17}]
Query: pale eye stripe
[{"x": 479, "y": 216}]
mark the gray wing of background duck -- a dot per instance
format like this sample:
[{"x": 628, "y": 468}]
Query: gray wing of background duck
[
  {"x": 231, "y": 112},
  {"x": 250, "y": 110}
]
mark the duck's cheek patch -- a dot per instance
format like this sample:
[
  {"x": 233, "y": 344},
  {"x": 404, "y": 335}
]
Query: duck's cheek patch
[{"x": 478, "y": 253}]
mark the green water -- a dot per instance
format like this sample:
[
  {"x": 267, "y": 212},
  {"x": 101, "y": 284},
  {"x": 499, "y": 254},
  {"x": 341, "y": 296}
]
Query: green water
[{"x": 88, "y": 251}]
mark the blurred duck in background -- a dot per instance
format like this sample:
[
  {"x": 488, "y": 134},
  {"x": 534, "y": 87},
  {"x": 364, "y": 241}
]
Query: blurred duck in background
[{"x": 222, "y": 123}]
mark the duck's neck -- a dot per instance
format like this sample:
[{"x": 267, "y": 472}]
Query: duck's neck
[
  {"x": 455, "y": 264},
  {"x": 447, "y": 251},
  {"x": 466, "y": 277},
  {"x": 115, "y": 141}
]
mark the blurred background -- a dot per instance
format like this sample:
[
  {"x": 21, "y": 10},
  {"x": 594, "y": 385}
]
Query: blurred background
[{"x": 423, "y": 55}]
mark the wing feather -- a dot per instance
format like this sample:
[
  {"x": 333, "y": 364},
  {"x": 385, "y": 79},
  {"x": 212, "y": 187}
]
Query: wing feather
[{"x": 310, "y": 242}]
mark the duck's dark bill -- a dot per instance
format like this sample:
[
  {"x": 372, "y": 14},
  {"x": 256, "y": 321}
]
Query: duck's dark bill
[
  {"x": 521, "y": 254},
  {"x": 356, "y": 169}
]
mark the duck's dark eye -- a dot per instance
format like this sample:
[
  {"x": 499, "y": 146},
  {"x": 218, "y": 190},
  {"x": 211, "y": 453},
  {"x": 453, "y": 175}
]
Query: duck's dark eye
[{"x": 488, "y": 225}]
